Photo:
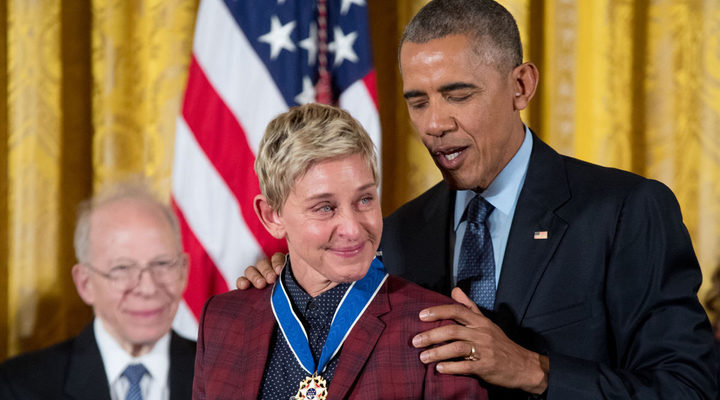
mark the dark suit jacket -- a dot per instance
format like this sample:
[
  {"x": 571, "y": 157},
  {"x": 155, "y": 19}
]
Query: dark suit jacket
[
  {"x": 377, "y": 360},
  {"x": 609, "y": 296},
  {"x": 74, "y": 370}
]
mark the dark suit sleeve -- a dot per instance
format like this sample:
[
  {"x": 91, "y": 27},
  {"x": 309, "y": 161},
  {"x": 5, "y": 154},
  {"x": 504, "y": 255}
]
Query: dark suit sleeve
[
  {"x": 5, "y": 390},
  {"x": 660, "y": 337}
]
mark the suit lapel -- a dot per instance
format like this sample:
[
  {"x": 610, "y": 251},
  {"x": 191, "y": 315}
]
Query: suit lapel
[
  {"x": 259, "y": 324},
  {"x": 359, "y": 345},
  {"x": 86, "y": 377},
  {"x": 526, "y": 256},
  {"x": 432, "y": 268},
  {"x": 182, "y": 360}
]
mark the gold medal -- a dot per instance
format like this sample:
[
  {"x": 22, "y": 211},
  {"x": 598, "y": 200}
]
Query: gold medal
[{"x": 312, "y": 388}]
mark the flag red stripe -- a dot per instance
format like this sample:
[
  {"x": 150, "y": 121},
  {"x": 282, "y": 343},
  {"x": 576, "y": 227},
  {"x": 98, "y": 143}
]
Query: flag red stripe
[
  {"x": 224, "y": 142},
  {"x": 370, "y": 83},
  {"x": 204, "y": 278}
]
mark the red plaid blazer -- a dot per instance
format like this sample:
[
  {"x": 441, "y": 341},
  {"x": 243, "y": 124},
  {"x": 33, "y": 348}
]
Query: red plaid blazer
[{"x": 377, "y": 360}]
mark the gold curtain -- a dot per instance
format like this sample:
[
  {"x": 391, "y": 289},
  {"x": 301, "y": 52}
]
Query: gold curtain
[{"x": 93, "y": 90}]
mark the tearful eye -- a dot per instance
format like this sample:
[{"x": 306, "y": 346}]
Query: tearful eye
[{"x": 325, "y": 209}]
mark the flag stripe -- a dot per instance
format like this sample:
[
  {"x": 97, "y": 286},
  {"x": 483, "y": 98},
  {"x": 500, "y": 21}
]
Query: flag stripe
[
  {"x": 371, "y": 85},
  {"x": 236, "y": 72},
  {"x": 210, "y": 209},
  {"x": 203, "y": 273},
  {"x": 216, "y": 130},
  {"x": 358, "y": 101},
  {"x": 251, "y": 61}
]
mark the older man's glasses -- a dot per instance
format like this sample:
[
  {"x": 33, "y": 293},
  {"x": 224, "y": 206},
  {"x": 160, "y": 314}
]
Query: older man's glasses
[{"x": 126, "y": 275}]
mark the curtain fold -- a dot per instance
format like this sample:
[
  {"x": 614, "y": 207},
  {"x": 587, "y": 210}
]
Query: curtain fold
[{"x": 93, "y": 89}]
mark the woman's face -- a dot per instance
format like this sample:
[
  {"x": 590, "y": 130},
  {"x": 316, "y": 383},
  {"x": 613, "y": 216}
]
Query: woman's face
[{"x": 332, "y": 223}]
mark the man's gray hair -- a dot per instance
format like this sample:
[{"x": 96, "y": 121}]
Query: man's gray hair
[
  {"x": 135, "y": 189},
  {"x": 481, "y": 20}
]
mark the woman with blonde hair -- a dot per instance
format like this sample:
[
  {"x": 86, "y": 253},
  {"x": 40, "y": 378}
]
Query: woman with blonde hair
[{"x": 334, "y": 325}]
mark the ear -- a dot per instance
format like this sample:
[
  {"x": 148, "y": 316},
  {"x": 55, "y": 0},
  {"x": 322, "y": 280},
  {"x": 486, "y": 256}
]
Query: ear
[
  {"x": 268, "y": 217},
  {"x": 525, "y": 78},
  {"x": 185, "y": 259},
  {"x": 81, "y": 277}
]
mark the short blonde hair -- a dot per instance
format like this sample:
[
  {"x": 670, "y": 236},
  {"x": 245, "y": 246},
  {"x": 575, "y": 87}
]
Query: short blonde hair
[
  {"x": 297, "y": 139},
  {"x": 135, "y": 188}
]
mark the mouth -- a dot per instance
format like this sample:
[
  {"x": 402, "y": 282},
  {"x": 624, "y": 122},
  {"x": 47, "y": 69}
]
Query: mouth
[
  {"x": 146, "y": 313},
  {"x": 449, "y": 158},
  {"x": 348, "y": 251}
]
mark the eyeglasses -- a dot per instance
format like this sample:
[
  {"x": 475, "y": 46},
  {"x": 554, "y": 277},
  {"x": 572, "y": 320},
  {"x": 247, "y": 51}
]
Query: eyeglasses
[{"x": 125, "y": 275}]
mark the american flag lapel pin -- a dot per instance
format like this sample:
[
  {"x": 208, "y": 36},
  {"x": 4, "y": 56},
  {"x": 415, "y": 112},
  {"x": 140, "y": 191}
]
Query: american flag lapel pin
[{"x": 540, "y": 235}]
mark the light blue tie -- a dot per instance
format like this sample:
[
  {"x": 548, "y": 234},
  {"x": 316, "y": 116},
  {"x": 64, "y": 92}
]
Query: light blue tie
[
  {"x": 476, "y": 267},
  {"x": 134, "y": 374}
]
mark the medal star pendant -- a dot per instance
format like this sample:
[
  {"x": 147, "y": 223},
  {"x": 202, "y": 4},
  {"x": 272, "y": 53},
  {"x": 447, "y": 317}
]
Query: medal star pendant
[{"x": 312, "y": 388}]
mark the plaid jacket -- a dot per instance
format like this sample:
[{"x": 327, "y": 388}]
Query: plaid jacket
[{"x": 377, "y": 361}]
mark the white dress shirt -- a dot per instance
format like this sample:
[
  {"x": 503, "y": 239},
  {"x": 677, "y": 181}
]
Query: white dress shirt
[{"x": 154, "y": 384}]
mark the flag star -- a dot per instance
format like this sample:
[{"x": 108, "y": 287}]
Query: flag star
[
  {"x": 347, "y": 3},
  {"x": 281, "y": 1},
  {"x": 310, "y": 44},
  {"x": 342, "y": 46},
  {"x": 279, "y": 37},
  {"x": 308, "y": 92}
]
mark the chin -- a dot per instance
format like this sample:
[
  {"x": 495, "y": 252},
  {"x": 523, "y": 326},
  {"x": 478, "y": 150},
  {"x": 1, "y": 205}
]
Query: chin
[
  {"x": 354, "y": 274},
  {"x": 149, "y": 336}
]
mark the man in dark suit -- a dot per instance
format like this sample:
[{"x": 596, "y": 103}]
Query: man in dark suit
[
  {"x": 132, "y": 271},
  {"x": 594, "y": 271},
  {"x": 596, "y": 277}
]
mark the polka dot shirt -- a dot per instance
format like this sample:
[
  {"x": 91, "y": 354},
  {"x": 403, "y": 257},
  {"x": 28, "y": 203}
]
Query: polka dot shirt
[{"x": 283, "y": 373}]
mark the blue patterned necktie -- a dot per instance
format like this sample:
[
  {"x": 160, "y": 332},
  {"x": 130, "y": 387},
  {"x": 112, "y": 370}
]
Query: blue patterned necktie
[
  {"x": 134, "y": 374},
  {"x": 476, "y": 267}
]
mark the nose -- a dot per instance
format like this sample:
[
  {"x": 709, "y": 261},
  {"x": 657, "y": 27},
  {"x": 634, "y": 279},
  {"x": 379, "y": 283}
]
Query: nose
[
  {"x": 146, "y": 283},
  {"x": 348, "y": 224},
  {"x": 439, "y": 121}
]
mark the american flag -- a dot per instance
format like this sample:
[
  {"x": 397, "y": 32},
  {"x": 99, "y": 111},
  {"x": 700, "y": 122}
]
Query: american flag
[{"x": 252, "y": 60}]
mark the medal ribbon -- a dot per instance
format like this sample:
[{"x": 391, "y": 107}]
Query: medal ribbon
[{"x": 351, "y": 307}]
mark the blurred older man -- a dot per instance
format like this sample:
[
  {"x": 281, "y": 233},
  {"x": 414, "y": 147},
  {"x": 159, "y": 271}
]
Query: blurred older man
[{"x": 132, "y": 271}]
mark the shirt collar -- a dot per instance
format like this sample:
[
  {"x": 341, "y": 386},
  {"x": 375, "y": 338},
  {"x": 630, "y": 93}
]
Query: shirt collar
[
  {"x": 300, "y": 298},
  {"x": 116, "y": 359},
  {"x": 504, "y": 190}
]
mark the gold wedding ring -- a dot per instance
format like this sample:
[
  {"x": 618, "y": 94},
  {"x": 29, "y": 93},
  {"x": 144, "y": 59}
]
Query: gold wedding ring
[{"x": 471, "y": 356}]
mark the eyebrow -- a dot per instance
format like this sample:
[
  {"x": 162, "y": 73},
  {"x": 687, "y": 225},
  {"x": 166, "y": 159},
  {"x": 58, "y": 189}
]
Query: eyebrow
[
  {"x": 457, "y": 86},
  {"x": 413, "y": 93},
  {"x": 445, "y": 88},
  {"x": 320, "y": 196}
]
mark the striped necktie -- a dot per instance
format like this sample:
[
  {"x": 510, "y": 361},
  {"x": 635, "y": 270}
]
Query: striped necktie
[{"x": 134, "y": 374}]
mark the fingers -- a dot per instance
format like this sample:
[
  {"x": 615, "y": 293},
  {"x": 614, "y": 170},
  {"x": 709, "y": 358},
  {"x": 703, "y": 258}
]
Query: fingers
[
  {"x": 460, "y": 296},
  {"x": 278, "y": 262},
  {"x": 264, "y": 273},
  {"x": 457, "y": 367},
  {"x": 242, "y": 283},
  {"x": 460, "y": 313},
  {"x": 254, "y": 276},
  {"x": 456, "y": 351},
  {"x": 442, "y": 334}
]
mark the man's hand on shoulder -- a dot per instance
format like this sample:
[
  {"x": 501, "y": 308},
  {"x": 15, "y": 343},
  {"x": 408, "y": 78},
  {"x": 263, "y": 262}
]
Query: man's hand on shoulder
[
  {"x": 484, "y": 349},
  {"x": 264, "y": 273}
]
